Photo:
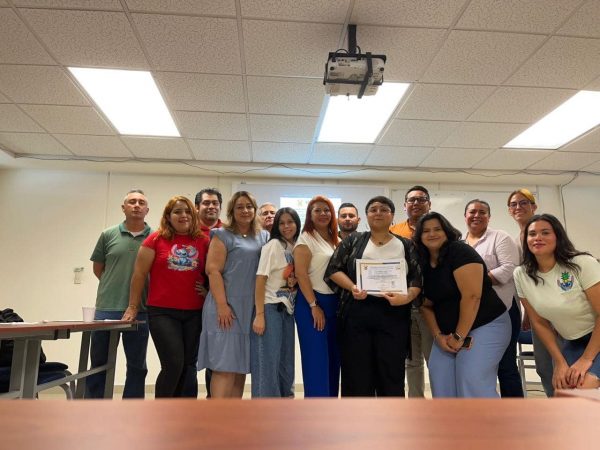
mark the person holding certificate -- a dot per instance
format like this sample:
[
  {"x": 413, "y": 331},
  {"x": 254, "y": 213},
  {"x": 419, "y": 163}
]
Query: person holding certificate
[
  {"x": 377, "y": 276},
  {"x": 468, "y": 320}
]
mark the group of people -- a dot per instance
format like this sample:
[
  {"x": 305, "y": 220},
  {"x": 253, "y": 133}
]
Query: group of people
[{"x": 225, "y": 296}]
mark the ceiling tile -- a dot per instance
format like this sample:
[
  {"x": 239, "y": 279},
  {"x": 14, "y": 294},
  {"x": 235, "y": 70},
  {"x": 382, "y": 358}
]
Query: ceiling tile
[
  {"x": 566, "y": 161},
  {"x": 88, "y": 38},
  {"x": 340, "y": 154},
  {"x": 13, "y": 119},
  {"x": 561, "y": 62},
  {"x": 280, "y": 152},
  {"x": 584, "y": 22},
  {"x": 202, "y": 92},
  {"x": 455, "y": 158},
  {"x": 40, "y": 85},
  {"x": 483, "y": 135},
  {"x": 417, "y": 133},
  {"x": 287, "y": 96},
  {"x": 594, "y": 85},
  {"x": 419, "y": 13},
  {"x": 392, "y": 156},
  {"x": 156, "y": 147},
  {"x": 194, "y": 44},
  {"x": 408, "y": 50},
  {"x": 3, "y": 99},
  {"x": 443, "y": 101},
  {"x": 220, "y": 150},
  {"x": 200, "y": 7},
  {"x": 32, "y": 143},
  {"x": 19, "y": 46},
  {"x": 507, "y": 159},
  {"x": 331, "y": 11},
  {"x": 99, "y": 146},
  {"x": 74, "y": 4},
  {"x": 590, "y": 142},
  {"x": 520, "y": 105},
  {"x": 476, "y": 57},
  {"x": 286, "y": 48},
  {"x": 69, "y": 119},
  {"x": 282, "y": 128},
  {"x": 204, "y": 125},
  {"x": 530, "y": 16}
]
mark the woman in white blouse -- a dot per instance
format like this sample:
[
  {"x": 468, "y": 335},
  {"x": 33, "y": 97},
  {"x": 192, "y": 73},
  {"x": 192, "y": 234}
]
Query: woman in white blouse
[
  {"x": 501, "y": 256},
  {"x": 316, "y": 304}
]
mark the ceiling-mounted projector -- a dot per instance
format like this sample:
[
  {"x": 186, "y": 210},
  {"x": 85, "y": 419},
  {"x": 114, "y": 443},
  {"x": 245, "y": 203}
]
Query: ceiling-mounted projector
[{"x": 351, "y": 72}]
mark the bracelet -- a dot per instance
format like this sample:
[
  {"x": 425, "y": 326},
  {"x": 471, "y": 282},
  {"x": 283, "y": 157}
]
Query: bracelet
[
  {"x": 313, "y": 304},
  {"x": 133, "y": 306},
  {"x": 260, "y": 313},
  {"x": 437, "y": 335}
]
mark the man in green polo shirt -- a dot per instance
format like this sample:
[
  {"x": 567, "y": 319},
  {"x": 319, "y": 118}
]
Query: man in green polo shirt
[{"x": 113, "y": 260}]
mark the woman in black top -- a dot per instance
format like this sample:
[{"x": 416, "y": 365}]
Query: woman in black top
[
  {"x": 373, "y": 330},
  {"x": 469, "y": 322}
]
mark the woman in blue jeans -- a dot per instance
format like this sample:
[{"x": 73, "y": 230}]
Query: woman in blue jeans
[
  {"x": 469, "y": 322},
  {"x": 559, "y": 287},
  {"x": 272, "y": 343}
]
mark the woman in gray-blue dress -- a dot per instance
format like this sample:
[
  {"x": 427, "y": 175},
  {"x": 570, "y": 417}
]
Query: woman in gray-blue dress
[{"x": 231, "y": 267}]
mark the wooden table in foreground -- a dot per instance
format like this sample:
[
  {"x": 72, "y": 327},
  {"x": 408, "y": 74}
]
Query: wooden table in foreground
[
  {"x": 510, "y": 424},
  {"x": 26, "y": 354},
  {"x": 590, "y": 394}
]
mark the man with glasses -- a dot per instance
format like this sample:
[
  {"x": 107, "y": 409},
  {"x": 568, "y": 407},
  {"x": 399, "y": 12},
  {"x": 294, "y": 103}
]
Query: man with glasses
[
  {"x": 266, "y": 215},
  {"x": 208, "y": 203},
  {"x": 348, "y": 220},
  {"x": 416, "y": 205}
]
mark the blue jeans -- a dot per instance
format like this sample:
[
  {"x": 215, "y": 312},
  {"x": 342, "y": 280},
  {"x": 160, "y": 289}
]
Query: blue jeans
[
  {"x": 573, "y": 350},
  {"x": 272, "y": 354},
  {"x": 471, "y": 372},
  {"x": 509, "y": 377},
  {"x": 318, "y": 349},
  {"x": 135, "y": 344}
]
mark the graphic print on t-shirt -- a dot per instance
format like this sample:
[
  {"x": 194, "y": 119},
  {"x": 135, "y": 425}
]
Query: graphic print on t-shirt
[
  {"x": 289, "y": 282},
  {"x": 183, "y": 258},
  {"x": 566, "y": 281}
]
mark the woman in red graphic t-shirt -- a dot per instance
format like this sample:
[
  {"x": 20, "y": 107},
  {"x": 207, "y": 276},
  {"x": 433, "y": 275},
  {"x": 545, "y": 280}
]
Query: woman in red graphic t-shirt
[{"x": 174, "y": 257}]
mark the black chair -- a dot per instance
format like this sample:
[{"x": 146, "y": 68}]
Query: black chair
[{"x": 48, "y": 371}]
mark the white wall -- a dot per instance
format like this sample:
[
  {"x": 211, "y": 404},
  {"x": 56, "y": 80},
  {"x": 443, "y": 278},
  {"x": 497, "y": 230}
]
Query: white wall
[{"x": 51, "y": 221}]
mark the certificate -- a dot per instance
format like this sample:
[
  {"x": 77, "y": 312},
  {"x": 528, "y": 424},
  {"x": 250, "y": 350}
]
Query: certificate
[{"x": 377, "y": 276}]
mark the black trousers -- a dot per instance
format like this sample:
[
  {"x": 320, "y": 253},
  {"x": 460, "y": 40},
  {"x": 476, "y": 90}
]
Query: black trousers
[
  {"x": 176, "y": 336},
  {"x": 374, "y": 341},
  {"x": 508, "y": 372}
]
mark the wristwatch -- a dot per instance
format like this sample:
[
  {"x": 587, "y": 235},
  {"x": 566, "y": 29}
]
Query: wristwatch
[
  {"x": 457, "y": 337},
  {"x": 313, "y": 304}
]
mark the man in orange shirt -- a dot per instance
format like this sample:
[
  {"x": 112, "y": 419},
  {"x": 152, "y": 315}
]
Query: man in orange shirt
[{"x": 416, "y": 204}]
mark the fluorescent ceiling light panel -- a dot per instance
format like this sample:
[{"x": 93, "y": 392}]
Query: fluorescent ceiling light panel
[
  {"x": 571, "y": 119},
  {"x": 349, "y": 119},
  {"x": 130, "y": 99}
]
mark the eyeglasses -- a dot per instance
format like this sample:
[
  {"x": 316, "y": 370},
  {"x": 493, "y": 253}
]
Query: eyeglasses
[
  {"x": 319, "y": 211},
  {"x": 244, "y": 207},
  {"x": 379, "y": 210},
  {"x": 419, "y": 200},
  {"x": 521, "y": 203}
]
